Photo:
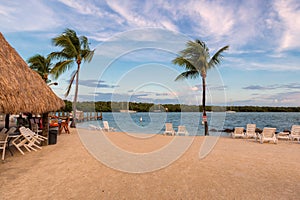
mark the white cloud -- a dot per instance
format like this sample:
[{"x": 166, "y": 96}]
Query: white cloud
[
  {"x": 143, "y": 45},
  {"x": 214, "y": 18},
  {"x": 248, "y": 64},
  {"x": 19, "y": 16},
  {"x": 127, "y": 10},
  {"x": 146, "y": 14},
  {"x": 83, "y": 7},
  {"x": 289, "y": 15},
  {"x": 169, "y": 25}
]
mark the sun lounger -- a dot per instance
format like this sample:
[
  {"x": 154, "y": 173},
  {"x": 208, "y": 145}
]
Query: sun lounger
[
  {"x": 295, "y": 133},
  {"x": 95, "y": 127},
  {"x": 3, "y": 130},
  {"x": 169, "y": 129},
  {"x": 11, "y": 130},
  {"x": 106, "y": 126},
  {"x": 3, "y": 141},
  {"x": 268, "y": 134},
  {"x": 19, "y": 142},
  {"x": 238, "y": 132},
  {"x": 35, "y": 127},
  {"x": 38, "y": 137},
  {"x": 182, "y": 131},
  {"x": 28, "y": 140},
  {"x": 250, "y": 131},
  {"x": 283, "y": 135}
]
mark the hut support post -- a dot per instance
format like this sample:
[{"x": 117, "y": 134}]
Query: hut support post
[
  {"x": 7, "y": 121},
  {"x": 45, "y": 131}
]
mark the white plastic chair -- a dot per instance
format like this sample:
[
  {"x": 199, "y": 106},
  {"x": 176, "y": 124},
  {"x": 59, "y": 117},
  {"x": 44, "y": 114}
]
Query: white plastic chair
[
  {"x": 268, "y": 134},
  {"x": 36, "y": 136},
  {"x": 3, "y": 141},
  {"x": 182, "y": 130},
  {"x": 3, "y": 130},
  {"x": 95, "y": 127},
  {"x": 295, "y": 133},
  {"x": 238, "y": 132},
  {"x": 11, "y": 130},
  {"x": 250, "y": 131},
  {"x": 283, "y": 135},
  {"x": 169, "y": 129},
  {"x": 106, "y": 126},
  {"x": 28, "y": 140}
]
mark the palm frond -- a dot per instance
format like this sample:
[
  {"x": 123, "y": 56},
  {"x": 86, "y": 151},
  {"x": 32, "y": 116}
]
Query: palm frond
[
  {"x": 87, "y": 55},
  {"x": 182, "y": 62},
  {"x": 59, "y": 56},
  {"x": 68, "y": 42},
  {"x": 188, "y": 74},
  {"x": 216, "y": 59},
  {"x": 84, "y": 43},
  {"x": 40, "y": 64},
  {"x": 60, "y": 67}
]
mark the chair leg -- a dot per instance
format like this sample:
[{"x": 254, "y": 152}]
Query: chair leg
[
  {"x": 20, "y": 149},
  {"x": 3, "y": 153},
  {"x": 27, "y": 147},
  {"x": 37, "y": 146},
  {"x": 66, "y": 128}
]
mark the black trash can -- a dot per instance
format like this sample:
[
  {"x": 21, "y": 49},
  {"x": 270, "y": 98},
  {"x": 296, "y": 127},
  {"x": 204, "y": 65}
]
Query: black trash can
[{"x": 52, "y": 137}]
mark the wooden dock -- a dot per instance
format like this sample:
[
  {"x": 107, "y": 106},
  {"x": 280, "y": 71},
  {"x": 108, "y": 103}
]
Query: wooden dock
[{"x": 80, "y": 115}]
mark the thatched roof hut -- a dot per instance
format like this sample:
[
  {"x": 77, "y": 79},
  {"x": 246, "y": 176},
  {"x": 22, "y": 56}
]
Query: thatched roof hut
[{"x": 21, "y": 88}]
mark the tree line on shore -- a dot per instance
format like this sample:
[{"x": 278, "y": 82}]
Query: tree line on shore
[{"x": 107, "y": 106}]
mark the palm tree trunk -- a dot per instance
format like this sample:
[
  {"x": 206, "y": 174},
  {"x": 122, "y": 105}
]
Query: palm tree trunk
[
  {"x": 203, "y": 105},
  {"x": 73, "y": 124}
]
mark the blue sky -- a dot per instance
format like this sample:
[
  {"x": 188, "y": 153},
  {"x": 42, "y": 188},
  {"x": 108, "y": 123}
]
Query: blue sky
[{"x": 135, "y": 42}]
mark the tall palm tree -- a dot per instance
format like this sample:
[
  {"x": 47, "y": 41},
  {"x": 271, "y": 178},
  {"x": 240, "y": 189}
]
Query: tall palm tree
[
  {"x": 43, "y": 66},
  {"x": 197, "y": 61},
  {"x": 74, "y": 50}
]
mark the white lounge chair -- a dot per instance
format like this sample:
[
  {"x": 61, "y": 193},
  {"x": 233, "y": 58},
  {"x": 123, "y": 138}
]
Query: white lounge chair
[
  {"x": 283, "y": 135},
  {"x": 27, "y": 139},
  {"x": 182, "y": 131},
  {"x": 3, "y": 130},
  {"x": 36, "y": 136},
  {"x": 19, "y": 142},
  {"x": 95, "y": 127},
  {"x": 3, "y": 141},
  {"x": 250, "y": 131},
  {"x": 11, "y": 130},
  {"x": 238, "y": 132},
  {"x": 295, "y": 133},
  {"x": 106, "y": 126},
  {"x": 169, "y": 129},
  {"x": 268, "y": 134}
]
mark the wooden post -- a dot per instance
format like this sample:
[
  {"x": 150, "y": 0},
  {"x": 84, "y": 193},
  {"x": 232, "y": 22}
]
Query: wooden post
[
  {"x": 7, "y": 121},
  {"x": 45, "y": 132}
]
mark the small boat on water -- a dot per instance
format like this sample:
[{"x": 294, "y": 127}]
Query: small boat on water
[
  {"x": 230, "y": 111},
  {"x": 127, "y": 111}
]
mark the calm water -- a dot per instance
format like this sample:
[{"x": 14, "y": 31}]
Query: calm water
[{"x": 154, "y": 122}]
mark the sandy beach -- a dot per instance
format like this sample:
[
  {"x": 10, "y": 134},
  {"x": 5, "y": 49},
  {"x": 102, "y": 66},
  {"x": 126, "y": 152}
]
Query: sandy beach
[{"x": 234, "y": 169}]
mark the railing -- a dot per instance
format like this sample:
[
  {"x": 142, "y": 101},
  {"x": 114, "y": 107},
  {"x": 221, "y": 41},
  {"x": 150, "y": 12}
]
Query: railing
[{"x": 80, "y": 116}]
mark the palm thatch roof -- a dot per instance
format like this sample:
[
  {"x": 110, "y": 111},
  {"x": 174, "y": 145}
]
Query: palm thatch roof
[{"x": 21, "y": 88}]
